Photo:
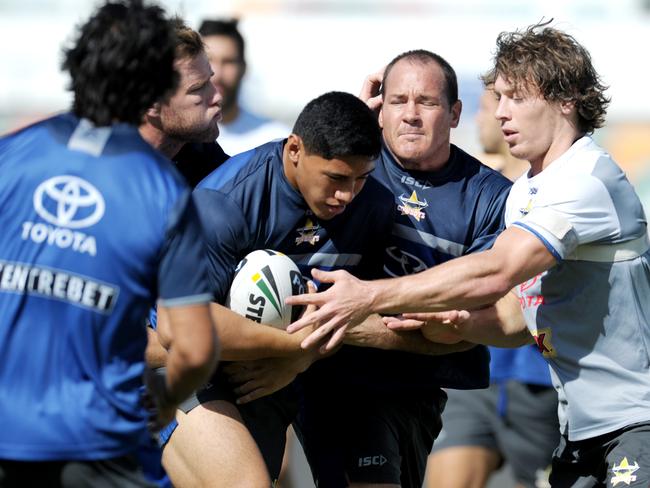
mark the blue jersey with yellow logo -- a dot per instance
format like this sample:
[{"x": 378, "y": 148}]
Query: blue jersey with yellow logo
[
  {"x": 248, "y": 204},
  {"x": 440, "y": 216},
  {"x": 95, "y": 226}
]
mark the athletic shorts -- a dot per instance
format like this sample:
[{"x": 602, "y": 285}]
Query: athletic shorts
[
  {"x": 618, "y": 459},
  {"x": 369, "y": 438},
  {"x": 123, "y": 471},
  {"x": 267, "y": 418},
  {"x": 517, "y": 420}
]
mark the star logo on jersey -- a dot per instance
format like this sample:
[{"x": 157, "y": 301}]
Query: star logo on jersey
[
  {"x": 308, "y": 233},
  {"x": 623, "y": 472},
  {"x": 543, "y": 340},
  {"x": 268, "y": 287},
  {"x": 412, "y": 206}
]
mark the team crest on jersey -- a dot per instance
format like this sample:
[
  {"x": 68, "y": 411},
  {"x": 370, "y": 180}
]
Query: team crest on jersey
[
  {"x": 267, "y": 285},
  {"x": 543, "y": 340},
  {"x": 525, "y": 210},
  {"x": 623, "y": 472},
  {"x": 412, "y": 206},
  {"x": 308, "y": 233}
]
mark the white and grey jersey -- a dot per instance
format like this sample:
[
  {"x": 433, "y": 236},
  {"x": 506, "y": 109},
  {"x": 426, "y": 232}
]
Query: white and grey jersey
[{"x": 590, "y": 314}]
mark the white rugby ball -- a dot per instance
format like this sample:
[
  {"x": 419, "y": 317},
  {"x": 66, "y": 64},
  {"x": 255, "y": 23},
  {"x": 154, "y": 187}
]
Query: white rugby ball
[{"x": 263, "y": 279}]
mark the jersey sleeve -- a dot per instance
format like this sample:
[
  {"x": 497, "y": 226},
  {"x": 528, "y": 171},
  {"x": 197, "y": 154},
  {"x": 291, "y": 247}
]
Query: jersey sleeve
[
  {"x": 182, "y": 277},
  {"x": 226, "y": 237},
  {"x": 489, "y": 216},
  {"x": 576, "y": 213}
]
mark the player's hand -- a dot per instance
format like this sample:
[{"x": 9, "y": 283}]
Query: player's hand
[
  {"x": 370, "y": 91},
  {"x": 441, "y": 327},
  {"x": 366, "y": 334},
  {"x": 346, "y": 303},
  {"x": 261, "y": 377}
]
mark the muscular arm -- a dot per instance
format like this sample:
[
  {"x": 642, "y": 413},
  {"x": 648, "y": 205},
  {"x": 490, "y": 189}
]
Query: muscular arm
[
  {"x": 469, "y": 282},
  {"x": 193, "y": 350},
  {"x": 373, "y": 333},
  {"x": 241, "y": 339},
  {"x": 244, "y": 339},
  {"x": 501, "y": 324}
]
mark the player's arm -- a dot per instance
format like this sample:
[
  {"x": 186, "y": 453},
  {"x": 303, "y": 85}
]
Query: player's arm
[
  {"x": 193, "y": 350},
  {"x": 372, "y": 332},
  {"x": 240, "y": 338},
  {"x": 183, "y": 300},
  {"x": 501, "y": 324},
  {"x": 468, "y": 282}
]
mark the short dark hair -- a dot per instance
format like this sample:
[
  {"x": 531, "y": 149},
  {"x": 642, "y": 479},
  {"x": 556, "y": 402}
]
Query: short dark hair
[
  {"x": 557, "y": 65},
  {"x": 121, "y": 63},
  {"x": 423, "y": 56},
  {"x": 227, "y": 28},
  {"x": 337, "y": 125}
]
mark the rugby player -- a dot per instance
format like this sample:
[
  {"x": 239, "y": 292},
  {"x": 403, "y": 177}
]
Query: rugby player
[
  {"x": 290, "y": 196},
  {"x": 76, "y": 282}
]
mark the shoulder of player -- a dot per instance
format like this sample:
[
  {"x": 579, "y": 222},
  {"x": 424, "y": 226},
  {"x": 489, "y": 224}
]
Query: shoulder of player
[
  {"x": 480, "y": 176},
  {"x": 245, "y": 170}
]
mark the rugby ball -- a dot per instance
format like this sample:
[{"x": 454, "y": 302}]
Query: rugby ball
[{"x": 263, "y": 279}]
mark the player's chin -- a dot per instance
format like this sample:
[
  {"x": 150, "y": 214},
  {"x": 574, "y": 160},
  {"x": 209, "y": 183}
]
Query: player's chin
[{"x": 330, "y": 211}]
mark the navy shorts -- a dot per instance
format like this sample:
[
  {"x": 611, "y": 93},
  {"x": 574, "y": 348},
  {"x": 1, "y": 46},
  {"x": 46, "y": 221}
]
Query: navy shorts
[
  {"x": 267, "y": 418},
  {"x": 369, "y": 438},
  {"x": 618, "y": 459}
]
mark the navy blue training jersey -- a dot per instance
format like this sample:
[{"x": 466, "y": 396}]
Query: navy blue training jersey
[
  {"x": 248, "y": 204},
  {"x": 195, "y": 161},
  {"x": 440, "y": 216},
  {"x": 95, "y": 225}
]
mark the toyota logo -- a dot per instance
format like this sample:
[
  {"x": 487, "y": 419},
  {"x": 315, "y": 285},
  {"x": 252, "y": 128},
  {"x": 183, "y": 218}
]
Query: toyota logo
[
  {"x": 69, "y": 201},
  {"x": 409, "y": 263}
]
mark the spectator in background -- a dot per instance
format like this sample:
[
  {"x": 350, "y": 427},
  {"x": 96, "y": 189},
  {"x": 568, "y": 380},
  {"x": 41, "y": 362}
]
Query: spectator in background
[
  {"x": 72, "y": 307},
  {"x": 241, "y": 129},
  {"x": 515, "y": 419}
]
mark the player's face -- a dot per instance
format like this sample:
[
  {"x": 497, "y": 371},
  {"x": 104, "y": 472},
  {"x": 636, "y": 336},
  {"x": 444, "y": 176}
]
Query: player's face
[
  {"x": 416, "y": 117},
  {"x": 489, "y": 128},
  {"x": 227, "y": 66},
  {"x": 329, "y": 185},
  {"x": 192, "y": 113},
  {"x": 530, "y": 124}
]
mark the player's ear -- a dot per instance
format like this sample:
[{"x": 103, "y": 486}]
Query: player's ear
[
  {"x": 154, "y": 110},
  {"x": 567, "y": 107},
  {"x": 456, "y": 109},
  {"x": 295, "y": 147},
  {"x": 380, "y": 118}
]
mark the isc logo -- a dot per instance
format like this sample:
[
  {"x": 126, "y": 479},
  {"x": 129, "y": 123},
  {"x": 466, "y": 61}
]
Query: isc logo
[{"x": 372, "y": 461}]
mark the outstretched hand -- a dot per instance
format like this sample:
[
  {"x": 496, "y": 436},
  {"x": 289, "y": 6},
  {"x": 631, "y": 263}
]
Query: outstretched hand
[
  {"x": 346, "y": 303},
  {"x": 438, "y": 327},
  {"x": 370, "y": 91}
]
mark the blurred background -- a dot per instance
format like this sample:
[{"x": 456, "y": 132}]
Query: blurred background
[{"x": 298, "y": 49}]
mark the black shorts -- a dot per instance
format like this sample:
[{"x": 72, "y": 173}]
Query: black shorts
[
  {"x": 618, "y": 459},
  {"x": 123, "y": 471},
  {"x": 519, "y": 421},
  {"x": 267, "y": 418},
  {"x": 369, "y": 438}
]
